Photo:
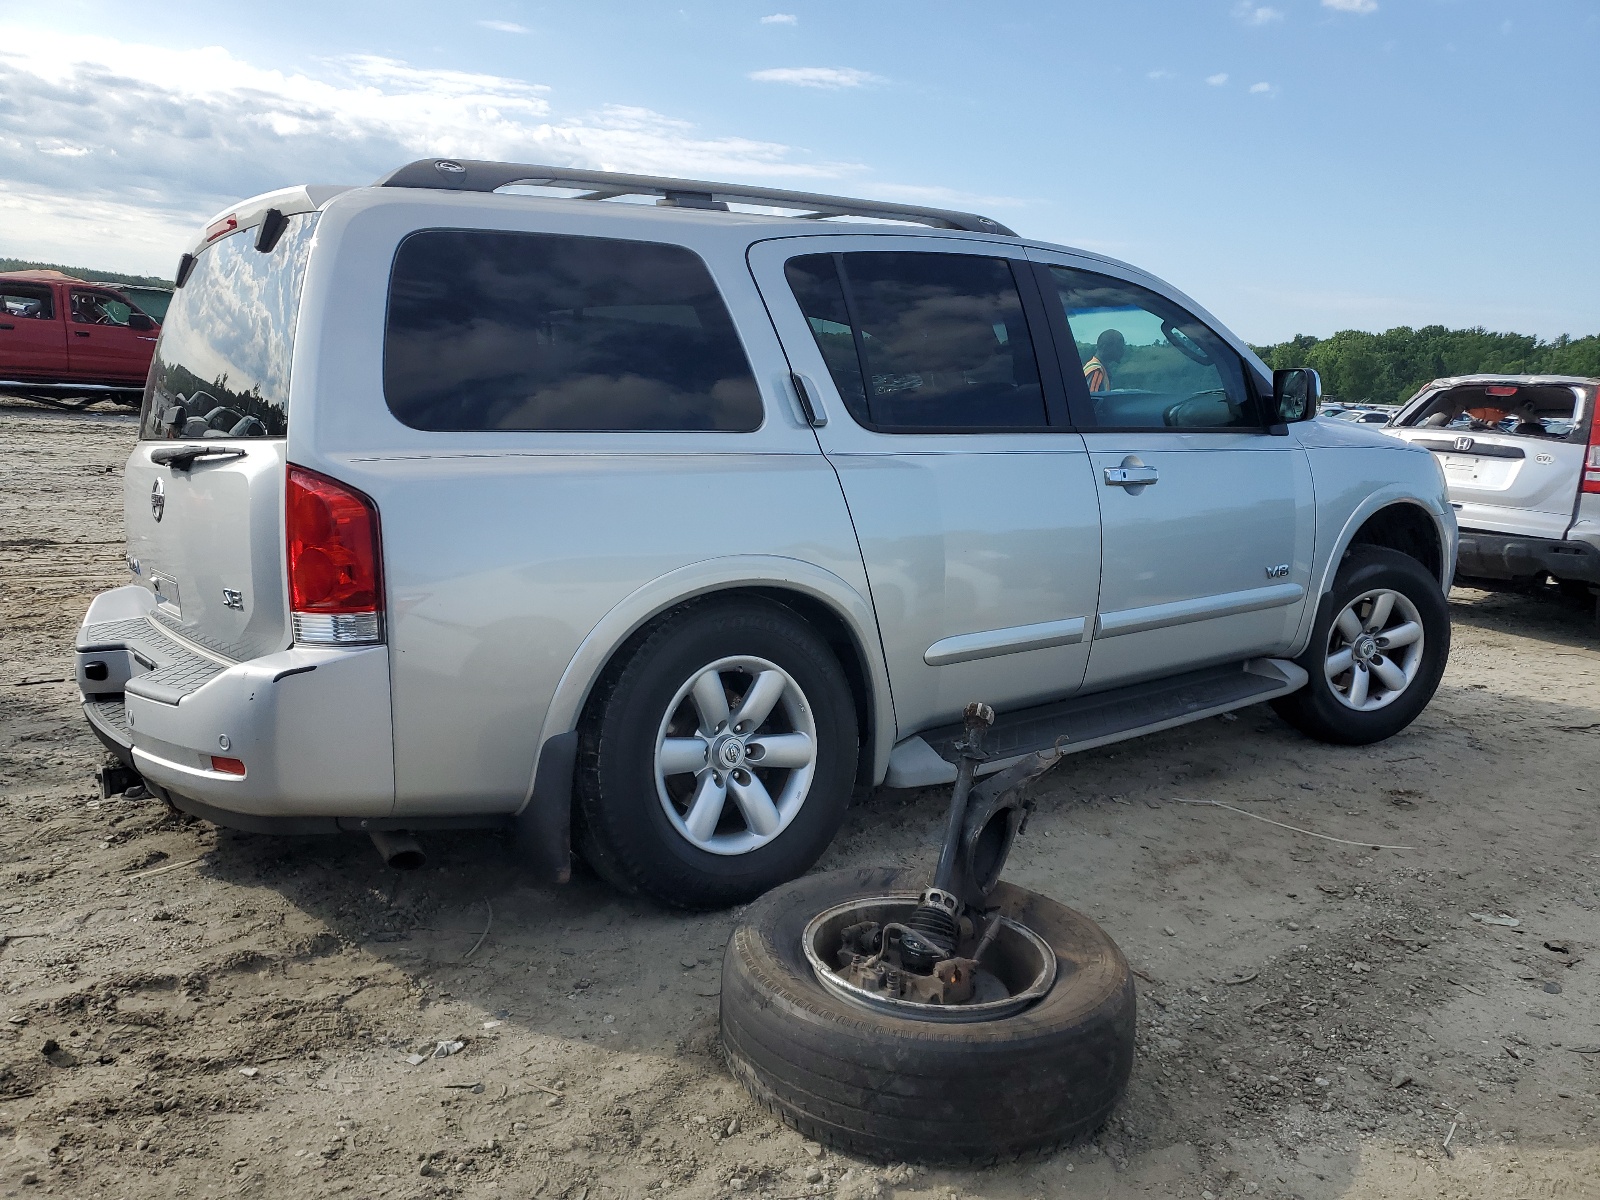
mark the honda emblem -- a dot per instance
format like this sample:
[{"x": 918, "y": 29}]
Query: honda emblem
[{"x": 1463, "y": 443}]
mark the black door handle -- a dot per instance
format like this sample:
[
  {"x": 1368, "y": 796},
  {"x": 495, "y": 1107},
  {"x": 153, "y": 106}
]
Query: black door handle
[
  {"x": 79, "y": 333},
  {"x": 3, "y": 325}
]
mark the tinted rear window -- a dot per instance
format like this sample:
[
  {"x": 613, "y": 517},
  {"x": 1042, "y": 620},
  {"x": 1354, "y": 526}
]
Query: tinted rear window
[
  {"x": 532, "y": 331},
  {"x": 221, "y": 367}
]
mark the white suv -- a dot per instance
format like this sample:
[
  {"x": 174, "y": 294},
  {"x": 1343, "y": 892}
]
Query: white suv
[{"x": 659, "y": 528}]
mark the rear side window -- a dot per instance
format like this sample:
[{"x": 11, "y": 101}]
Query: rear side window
[
  {"x": 531, "y": 331},
  {"x": 221, "y": 367},
  {"x": 26, "y": 301},
  {"x": 922, "y": 342}
]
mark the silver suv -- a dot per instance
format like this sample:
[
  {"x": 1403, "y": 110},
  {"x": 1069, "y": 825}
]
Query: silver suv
[{"x": 659, "y": 529}]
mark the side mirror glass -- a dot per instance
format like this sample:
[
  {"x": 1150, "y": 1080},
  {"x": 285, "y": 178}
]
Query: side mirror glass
[
  {"x": 140, "y": 322},
  {"x": 1296, "y": 395}
]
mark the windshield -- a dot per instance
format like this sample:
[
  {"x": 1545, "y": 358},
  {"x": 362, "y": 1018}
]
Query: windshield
[{"x": 221, "y": 368}]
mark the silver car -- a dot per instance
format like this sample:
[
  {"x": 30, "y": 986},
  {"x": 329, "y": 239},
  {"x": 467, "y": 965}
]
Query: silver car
[{"x": 658, "y": 529}]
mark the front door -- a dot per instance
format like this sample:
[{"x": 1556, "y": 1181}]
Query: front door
[
  {"x": 102, "y": 345},
  {"x": 33, "y": 342},
  {"x": 1207, "y": 518},
  {"x": 972, "y": 498}
]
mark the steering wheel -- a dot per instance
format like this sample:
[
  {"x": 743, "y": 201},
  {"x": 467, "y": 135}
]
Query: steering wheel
[
  {"x": 1173, "y": 414},
  {"x": 1184, "y": 344}
]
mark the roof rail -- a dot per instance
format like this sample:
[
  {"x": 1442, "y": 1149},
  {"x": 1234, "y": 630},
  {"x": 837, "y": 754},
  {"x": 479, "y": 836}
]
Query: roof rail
[{"x": 473, "y": 175}]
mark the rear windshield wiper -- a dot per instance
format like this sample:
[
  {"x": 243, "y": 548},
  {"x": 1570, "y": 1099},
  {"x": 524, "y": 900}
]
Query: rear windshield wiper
[{"x": 181, "y": 458}]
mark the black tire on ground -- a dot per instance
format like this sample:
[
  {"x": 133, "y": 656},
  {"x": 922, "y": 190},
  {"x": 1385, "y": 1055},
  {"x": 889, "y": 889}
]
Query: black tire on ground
[
  {"x": 904, "y": 1090},
  {"x": 620, "y": 825},
  {"x": 1315, "y": 709}
]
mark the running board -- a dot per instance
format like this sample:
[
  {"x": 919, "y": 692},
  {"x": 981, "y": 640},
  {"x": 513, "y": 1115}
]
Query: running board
[{"x": 1084, "y": 722}]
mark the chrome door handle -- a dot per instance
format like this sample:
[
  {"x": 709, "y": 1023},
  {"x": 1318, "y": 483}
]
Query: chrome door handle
[{"x": 1129, "y": 477}]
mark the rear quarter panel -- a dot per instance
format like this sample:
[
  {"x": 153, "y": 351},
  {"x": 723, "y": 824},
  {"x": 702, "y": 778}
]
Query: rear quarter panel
[{"x": 503, "y": 552}]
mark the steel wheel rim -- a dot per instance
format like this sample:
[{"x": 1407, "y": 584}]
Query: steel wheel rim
[
  {"x": 735, "y": 755},
  {"x": 1034, "y": 976},
  {"x": 1375, "y": 649}
]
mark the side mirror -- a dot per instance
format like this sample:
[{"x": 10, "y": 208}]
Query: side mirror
[
  {"x": 140, "y": 322},
  {"x": 1296, "y": 396}
]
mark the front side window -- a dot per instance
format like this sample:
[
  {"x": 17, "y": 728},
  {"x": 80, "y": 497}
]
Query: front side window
[
  {"x": 26, "y": 302},
  {"x": 1147, "y": 363},
  {"x": 922, "y": 342},
  {"x": 530, "y": 331},
  {"x": 221, "y": 367}
]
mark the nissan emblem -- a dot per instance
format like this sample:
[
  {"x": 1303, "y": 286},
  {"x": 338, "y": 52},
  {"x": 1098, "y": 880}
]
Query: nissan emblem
[{"x": 158, "y": 500}]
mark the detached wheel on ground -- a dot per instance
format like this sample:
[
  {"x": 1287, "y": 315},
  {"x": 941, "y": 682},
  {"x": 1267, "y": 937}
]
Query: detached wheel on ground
[
  {"x": 897, "y": 1088},
  {"x": 1377, "y": 652},
  {"x": 717, "y": 758}
]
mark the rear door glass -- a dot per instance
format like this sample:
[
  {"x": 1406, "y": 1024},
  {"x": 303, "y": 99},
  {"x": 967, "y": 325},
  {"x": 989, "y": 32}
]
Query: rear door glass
[
  {"x": 528, "y": 331},
  {"x": 22, "y": 301},
  {"x": 922, "y": 342},
  {"x": 221, "y": 367}
]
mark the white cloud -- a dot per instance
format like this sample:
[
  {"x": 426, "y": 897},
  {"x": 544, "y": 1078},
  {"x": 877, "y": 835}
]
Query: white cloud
[
  {"x": 110, "y": 148},
  {"x": 1256, "y": 14},
  {"x": 1352, "y": 6},
  {"x": 1261, "y": 89},
  {"x": 504, "y": 26},
  {"x": 1217, "y": 80},
  {"x": 1158, "y": 74},
  {"x": 817, "y": 77},
  {"x": 780, "y": 19}
]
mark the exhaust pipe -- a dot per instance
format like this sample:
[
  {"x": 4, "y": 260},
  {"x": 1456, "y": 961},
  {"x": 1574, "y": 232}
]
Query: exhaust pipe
[{"x": 398, "y": 848}]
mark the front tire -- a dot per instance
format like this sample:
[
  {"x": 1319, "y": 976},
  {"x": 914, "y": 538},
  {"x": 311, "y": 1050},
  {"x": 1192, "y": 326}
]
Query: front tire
[
  {"x": 717, "y": 759},
  {"x": 1377, "y": 652}
]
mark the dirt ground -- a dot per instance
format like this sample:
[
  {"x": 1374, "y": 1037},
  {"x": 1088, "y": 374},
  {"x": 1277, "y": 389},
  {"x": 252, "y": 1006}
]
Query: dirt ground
[{"x": 191, "y": 1012}]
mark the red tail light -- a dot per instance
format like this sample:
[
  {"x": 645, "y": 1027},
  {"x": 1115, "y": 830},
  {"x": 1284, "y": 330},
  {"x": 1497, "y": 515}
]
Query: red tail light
[
  {"x": 335, "y": 561},
  {"x": 1591, "y": 464}
]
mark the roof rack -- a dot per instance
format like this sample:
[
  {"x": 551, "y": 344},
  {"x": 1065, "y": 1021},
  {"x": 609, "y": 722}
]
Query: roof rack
[{"x": 473, "y": 175}]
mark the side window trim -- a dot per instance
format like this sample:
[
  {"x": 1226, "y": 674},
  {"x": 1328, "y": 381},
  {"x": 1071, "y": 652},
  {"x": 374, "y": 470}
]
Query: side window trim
[{"x": 1071, "y": 363}]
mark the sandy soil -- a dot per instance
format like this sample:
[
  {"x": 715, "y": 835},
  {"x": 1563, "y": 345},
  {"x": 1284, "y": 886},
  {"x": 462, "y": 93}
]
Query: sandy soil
[{"x": 190, "y": 1012}]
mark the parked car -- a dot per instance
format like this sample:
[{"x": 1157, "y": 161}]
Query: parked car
[
  {"x": 1366, "y": 416},
  {"x": 66, "y": 339},
  {"x": 1522, "y": 459},
  {"x": 461, "y": 508}
]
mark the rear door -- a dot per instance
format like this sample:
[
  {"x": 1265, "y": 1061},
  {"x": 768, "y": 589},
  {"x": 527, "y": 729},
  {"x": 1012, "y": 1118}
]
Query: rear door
[
  {"x": 208, "y": 535},
  {"x": 971, "y": 496},
  {"x": 33, "y": 341},
  {"x": 1207, "y": 520},
  {"x": 1513, "y": 453},
  {"x": 101, "y": 345}
]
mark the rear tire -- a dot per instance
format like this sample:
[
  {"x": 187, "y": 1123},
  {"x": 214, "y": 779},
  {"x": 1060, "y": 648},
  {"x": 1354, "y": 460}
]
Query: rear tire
[
  {"x": 894, "y": 1088},
  {"x": 684, "y": 805},
  {"x": 1366, "y": 684}
]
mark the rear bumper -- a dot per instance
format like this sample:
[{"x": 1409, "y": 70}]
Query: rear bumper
[
  {"x": 311, "y": 725},
  {"x": 1507, "y": 556}
]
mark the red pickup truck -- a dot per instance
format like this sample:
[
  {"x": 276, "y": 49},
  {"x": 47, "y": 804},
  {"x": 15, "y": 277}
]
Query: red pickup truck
[{"x": 69, "y": 342}]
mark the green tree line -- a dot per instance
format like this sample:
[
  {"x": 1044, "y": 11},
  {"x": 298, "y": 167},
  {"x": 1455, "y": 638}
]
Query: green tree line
[
  {"x": 24, "y": 264},
  {"x": 1389, "y": 367}
]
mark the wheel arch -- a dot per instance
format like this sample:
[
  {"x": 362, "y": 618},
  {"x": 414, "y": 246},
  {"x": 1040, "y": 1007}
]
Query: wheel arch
[
  {"x": 833, "y": 607},
  {"x": 1396, "y": 518}
]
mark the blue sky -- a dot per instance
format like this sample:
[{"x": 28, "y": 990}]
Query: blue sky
[{"x": 1296, "y": 165}]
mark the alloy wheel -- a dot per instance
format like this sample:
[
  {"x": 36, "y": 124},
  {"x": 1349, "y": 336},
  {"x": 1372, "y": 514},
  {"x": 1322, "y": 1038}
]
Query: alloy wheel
[{"x": 1375, "y": 649}]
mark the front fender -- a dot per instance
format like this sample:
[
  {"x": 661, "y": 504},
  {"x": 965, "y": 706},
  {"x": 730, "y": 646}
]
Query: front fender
[{"x": 702, "y": 578}]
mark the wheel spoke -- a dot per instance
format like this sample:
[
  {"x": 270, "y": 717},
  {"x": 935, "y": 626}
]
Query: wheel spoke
[
  {"x": 1340, "y": 662},
  {"x": 792, "y": 750},
  {"x": 1349, "y": 624},
  {"x": 1359, "y": 682},
  {"x": 1400, "y": 635},
  {"x": 756, "y": 805},
  {"x": 710, "y": 702},
  {"x": 683, "y": 756},
  {"x": 1381, "y": 608},
  {"x": 1389, "y": 674},
  {"x": 706, "y": 810},
  {"x": 760, "y": 700}
]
